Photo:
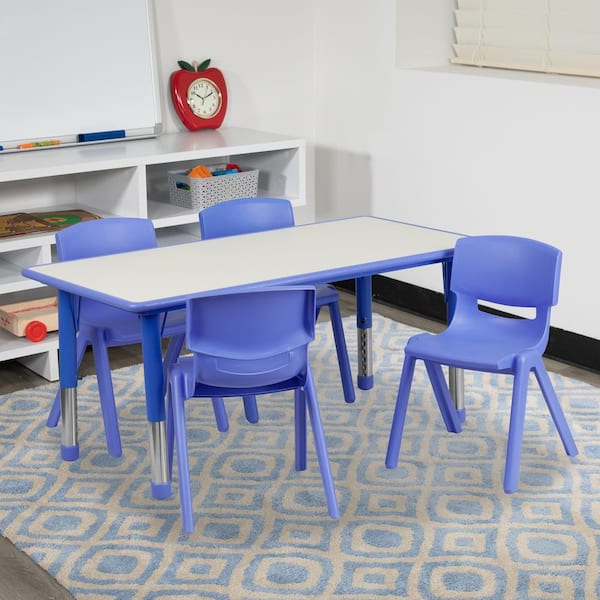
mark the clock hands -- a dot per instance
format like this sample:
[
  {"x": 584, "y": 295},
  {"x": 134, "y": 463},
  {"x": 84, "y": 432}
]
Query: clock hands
[{"x": 203, "y": 98}]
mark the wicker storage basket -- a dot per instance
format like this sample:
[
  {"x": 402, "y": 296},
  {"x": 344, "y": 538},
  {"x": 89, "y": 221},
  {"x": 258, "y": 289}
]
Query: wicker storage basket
[{"x": 201, "y": 192}]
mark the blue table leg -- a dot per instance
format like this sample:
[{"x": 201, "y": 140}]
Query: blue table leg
[
  {"x": 155, "y": 406},
  {"x": 455, "y": 376},
  {"x": 67, "y": 343},
  {"x": 364, "y": 323}
]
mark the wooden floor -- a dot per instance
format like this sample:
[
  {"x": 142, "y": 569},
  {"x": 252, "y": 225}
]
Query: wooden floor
[{"x": 22, "y": 579}]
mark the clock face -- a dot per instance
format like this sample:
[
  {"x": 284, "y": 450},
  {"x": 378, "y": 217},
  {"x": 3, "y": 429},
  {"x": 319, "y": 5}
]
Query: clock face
[{"x": 204, "y": 98}]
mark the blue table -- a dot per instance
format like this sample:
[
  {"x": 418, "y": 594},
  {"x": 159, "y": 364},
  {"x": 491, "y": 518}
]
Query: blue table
[{"x": 150, "y": 281}]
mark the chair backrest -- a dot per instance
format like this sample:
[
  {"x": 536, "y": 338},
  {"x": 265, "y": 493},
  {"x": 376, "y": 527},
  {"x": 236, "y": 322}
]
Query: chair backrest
[
  {"x": 100, "y": 237},
  {"x": 251, "y": 339},
  {"x": 245, "y": 215},
  {"x": 508, "y": 270}
]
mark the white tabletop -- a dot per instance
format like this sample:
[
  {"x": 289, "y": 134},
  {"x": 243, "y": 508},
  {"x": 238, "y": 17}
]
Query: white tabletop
[{"x": 315, "y": 253}]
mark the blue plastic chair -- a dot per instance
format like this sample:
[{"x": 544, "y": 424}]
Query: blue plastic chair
[
  {"x": 102, "y": 326},
  {"x": 506, "y": 271},
  {"x": 244, "y": 344},
  {"x": 249, "y": 215}
]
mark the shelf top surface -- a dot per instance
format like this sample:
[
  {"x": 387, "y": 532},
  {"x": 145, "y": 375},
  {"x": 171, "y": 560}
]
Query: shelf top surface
[
  {"x": 167, "y": 147},
  {"x": 314, "y": 253}
]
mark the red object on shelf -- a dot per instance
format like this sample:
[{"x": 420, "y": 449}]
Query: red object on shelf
[
  {"x": 35, "y": 331},
  {"x": 181, "y": 82},
  {"x": 31, "y": 319}
]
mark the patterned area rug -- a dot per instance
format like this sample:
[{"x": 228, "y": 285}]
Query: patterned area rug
[{"x": 438, "y": 526}]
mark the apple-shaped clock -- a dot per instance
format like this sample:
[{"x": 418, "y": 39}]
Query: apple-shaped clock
[{"x": 199, "y": 95}]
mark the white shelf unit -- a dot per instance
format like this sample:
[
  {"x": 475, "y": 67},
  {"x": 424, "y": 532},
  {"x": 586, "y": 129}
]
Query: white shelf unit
[{"x": 125, "y": 178}]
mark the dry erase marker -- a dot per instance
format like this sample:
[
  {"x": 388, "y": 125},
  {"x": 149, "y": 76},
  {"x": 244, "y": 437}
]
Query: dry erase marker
[
  {"x": 38, "y": 144},
  {"x": 98, "y": 136}
]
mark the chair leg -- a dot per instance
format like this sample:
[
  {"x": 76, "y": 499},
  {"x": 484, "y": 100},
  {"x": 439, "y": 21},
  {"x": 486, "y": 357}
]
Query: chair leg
[
  {"x": 185, "y": 493},
  {"x": 515, "y": 431},
  {"x": 107, "y": 396},
  {"x": 393, "y": 450},
  {"x": 555, "y": 409},
  {"x": 220, "y": 418},
  {"x": 342, "y": 352},
  {"x": 170, "y": 358},
  {"x": 220, "y": 408},
  {"x": 171, "y": 355},
  {"x": 443, "y": 397},
  {"x": 250, "y": 409},
  {"x": 220, "y": 414},
  {"x": 300, "y": 428},
  {"x": 170, "y": 427},
  {"x": 54, "y": 415},
  {"x": 320, "y": 445}
]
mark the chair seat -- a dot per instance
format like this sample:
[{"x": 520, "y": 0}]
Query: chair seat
[{"x": 488, "y": 345}]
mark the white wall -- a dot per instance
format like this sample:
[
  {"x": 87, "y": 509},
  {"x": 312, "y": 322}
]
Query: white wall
[
  {"x": 264, "y": 48},
  {"x": 502, "y": 156},
  {"x": 471, "y": 153}
]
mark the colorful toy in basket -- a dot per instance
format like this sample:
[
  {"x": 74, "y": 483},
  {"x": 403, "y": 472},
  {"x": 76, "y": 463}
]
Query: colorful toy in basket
[
  {"x": 200, "y": 171},
  {"x": 204, "y": 171},
  {"x": 31, "y": 319}
]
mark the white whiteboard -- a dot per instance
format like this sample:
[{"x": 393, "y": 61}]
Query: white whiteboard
[{"x": 76, "y": 66}]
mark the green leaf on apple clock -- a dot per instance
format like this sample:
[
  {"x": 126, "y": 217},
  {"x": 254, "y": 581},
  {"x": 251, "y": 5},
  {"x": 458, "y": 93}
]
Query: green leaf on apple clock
[
  {"x": 185, "y": 65},
  {"x": 204, "y": 65}
]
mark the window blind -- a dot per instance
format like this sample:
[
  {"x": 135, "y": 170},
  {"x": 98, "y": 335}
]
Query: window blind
[{"x": 551, "y": 36}]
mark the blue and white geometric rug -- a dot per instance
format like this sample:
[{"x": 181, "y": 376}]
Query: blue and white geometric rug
[{"x": 437, "y": 527}]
